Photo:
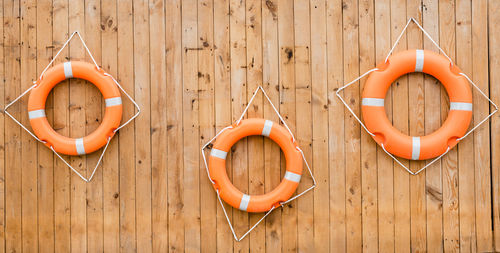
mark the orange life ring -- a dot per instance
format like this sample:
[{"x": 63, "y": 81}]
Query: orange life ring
[
  {"x": 436, "y": 143},
  {"x": 91, "y": 142},
  {"x": 233, "y": 196}
]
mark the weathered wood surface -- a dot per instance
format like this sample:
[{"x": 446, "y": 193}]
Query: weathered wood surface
[{"x": 192, "y": 65}]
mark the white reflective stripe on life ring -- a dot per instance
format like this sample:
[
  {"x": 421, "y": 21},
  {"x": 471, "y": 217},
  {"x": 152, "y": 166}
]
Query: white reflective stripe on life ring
[
  {"x": 415, "y": 150},
  {"x": 244, "y": 202},
  {"x": 36, "y": 114},
  {"x": 80, "y": 149},
  {"x": 218, "y": 153},
  {"x": 419, "y": 63},
  {"x": 68, "y": 70}
]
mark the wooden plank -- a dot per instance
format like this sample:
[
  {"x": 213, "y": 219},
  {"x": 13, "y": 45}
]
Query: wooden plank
[
  {"x": 142, "y": 127},
  {"x": 239, "y": 156},
  {"x": 484, "y": 235},
  {"x": 173, "y": 49},
  {"x": 385, "y": 177},
  {"x": 77, "y": 129},
  {"x": 256, "y": 171},
  {"x": 29, "y": 171},
  {"x": 208, "y": 204},
  {"x": 352, "y": 129},
  {"x": 158, "y": 126},
  {"x": 336, "y": 139},
  {"x": 466, "y": 146},
  {"x": 448, "y": 239},
  {"x": 2, "y": 130},
  {"x": 46, "y": 210},
  {"x": 319, "y": 101},
  {"x": 110, "y": 167},
  {"x": 494, "y": 60},
  {"x": 222, "y": 104},
  {"x": 93, "y": 118},
  {"x": 303, "y": 91},
  {"x": 270, "y": 77},
  {"x": 126, "y": 136},
  {"x": 416, "y": 105},
  {"x": 190, "y": 113},
  {"x": 368, "y": 149},
  {"x": 12, "y": 70},
  {"x": 287, "y": 107},
  {"x": 62, "y": 187},
  {"x": 400, "y": 121}
]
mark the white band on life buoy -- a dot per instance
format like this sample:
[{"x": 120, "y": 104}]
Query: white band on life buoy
[{"x": 415, "y": 151}]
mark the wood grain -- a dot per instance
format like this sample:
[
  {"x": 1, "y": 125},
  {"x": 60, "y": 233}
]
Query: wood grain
[{"x": 193, "y": 66}]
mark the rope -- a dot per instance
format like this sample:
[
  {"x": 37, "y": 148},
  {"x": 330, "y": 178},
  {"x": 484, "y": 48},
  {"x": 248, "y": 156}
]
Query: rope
[
  {"x": 390, "y": 52},
  {"x": 35, "y": 84},
  {"x": 281, "y": 203}
]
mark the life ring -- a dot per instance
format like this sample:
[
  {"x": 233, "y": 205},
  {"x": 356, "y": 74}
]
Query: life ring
[
  {"x": 417, "y": 147},
  {"x": 110, "y": 121},
  {"x": 255, "y": 203}
]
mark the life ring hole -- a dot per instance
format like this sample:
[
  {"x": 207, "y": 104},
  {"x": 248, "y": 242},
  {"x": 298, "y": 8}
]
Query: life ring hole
[
  {"x": 83, "y": 111},
  {"x": 426, "y": 101},
  {"x": 254, "y": 155}
]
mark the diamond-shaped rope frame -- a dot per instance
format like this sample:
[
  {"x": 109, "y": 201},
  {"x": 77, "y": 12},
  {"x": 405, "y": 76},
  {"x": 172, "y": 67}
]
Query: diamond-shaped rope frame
[
  {"x": 35, "y": 84},
  {"x": 293, "y": 139},
  {"x": 374, "y": 69}
]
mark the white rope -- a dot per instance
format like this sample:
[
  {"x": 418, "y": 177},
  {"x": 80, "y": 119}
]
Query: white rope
[
  {"x": 130, "y": 98},
  {"x": 35, "y": 84},
  {"x": 426, "y": 34},
  {"x": 78, "y": 173},
  {"x": 349, "y": 108},
  {"x": 281, "y": 203},
  {"x": 66, "y": 44},
  {"x": 371, "y": 70},
  {"x": 487, "y": 117}
]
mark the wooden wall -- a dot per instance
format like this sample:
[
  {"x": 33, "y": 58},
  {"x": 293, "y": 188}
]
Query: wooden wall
[{"x": 192, "y": 66}]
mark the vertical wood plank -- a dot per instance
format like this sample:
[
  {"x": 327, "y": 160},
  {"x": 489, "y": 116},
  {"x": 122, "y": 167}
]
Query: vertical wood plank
[
  {"x": 303, "y": 90},
  {"x": 319, "y": 101},
  {"x": 110, "y": 166},
  {"x": 448, "y": 238},
  {"x": 77, "y": 129},
  {"x": 336, "y": 138},
  {"x": 208, "y": 204},
  {"x": 29, "y": 189},
  {"x": 287, "y": 107},
  {"x": 12, "y": 69},
  {"x": 62, "y": 187},
  {"x": 385, "y": 177},
  {"x": 256, "y": 172},
  {"x": 159, "y": 127},
  {"x": 173, "y": 48},
  {"x": 432, "y": 97},
  {"x": 239, "y": 151},
  {"x": 270, "y": 78},
  {"x": 352, "y": 128},
  {"x": 482, "y": 160},
  {"x": 142, "y": 125},
  {"x": 494, "y": 60},
  {"x": 368, "y": 146},
  {"x": 93, "y": 118},
  {"x": 400, "y": 121},
  {"x": 222, "y": 105},
  {"x": 126, "y": 136},
  {"x": 46, "y": 210},
  {"x": 2, "y": 130},
  {"x": 416, "y": 100},
  {"x": 190, "y": 108},
  {"x": 466, "y": 146}
]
